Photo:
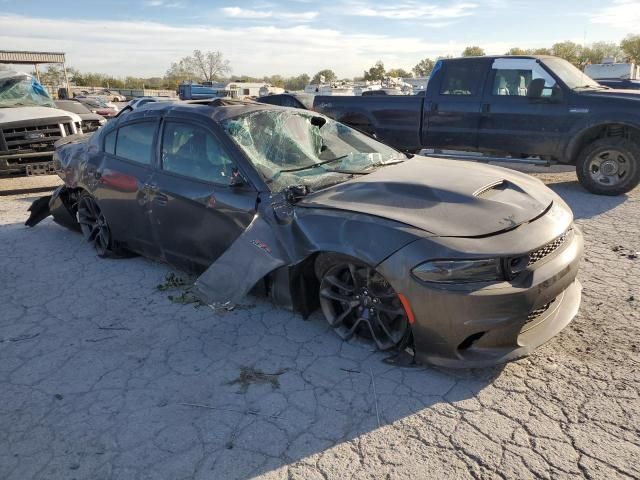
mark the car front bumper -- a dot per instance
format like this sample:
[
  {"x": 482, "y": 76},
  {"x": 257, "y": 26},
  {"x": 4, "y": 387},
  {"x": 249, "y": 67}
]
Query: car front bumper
[
  {"x": 477, "y": 325},
  {"x": 19, "y": 162}
]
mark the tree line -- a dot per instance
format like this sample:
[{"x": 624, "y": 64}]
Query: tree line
[
  {"x": 579, "y": 55},
  {"x": 212, "y": 66}
]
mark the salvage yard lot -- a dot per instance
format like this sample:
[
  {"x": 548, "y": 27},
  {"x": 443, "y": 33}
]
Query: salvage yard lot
[{"x": 103, "y": 376}]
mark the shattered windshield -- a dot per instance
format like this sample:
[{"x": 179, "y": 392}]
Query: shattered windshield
[
  {"x": 22, "y": 90},
  {"x": 291, "y": 147}
]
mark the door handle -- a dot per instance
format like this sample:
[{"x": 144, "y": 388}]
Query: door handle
[
  {"x": 434, "y": 107},
  {"x": 486, "y": 108}
]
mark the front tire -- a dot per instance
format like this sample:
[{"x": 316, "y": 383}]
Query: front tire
[
  {"x": 609, "y": 166},
  {"x": 357, "y": 300}
]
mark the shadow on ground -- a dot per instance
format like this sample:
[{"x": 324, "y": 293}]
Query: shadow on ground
[{"x": 583, "y": 203}]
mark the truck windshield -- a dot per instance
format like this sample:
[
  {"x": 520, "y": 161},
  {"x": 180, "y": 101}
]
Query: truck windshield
[
  {"x": 290, "y": 147},
  {"x": 22, "y": 90},
  {"x": 570, "y": 75}
]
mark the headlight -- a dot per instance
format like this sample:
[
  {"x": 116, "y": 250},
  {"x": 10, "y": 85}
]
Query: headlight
[{"x": 459, "y": 271}]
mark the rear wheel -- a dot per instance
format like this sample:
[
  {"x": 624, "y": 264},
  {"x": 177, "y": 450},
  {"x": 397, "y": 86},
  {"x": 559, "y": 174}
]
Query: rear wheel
[
  {"x": 94, "y": 225},
  {"x": 357, "y": 300},
  {"x": 609, "y": 166}
]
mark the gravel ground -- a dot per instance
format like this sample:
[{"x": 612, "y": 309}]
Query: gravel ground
[{"x": 103, "y": 376}]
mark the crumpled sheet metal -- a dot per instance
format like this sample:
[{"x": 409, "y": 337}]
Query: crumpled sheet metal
[{"x": 253, "y": 255}]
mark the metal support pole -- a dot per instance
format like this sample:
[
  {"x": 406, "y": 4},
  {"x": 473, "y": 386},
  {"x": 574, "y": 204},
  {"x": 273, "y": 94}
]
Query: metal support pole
[
  {"x": 66, "y": 80},
  {"x": 35, "y": 66}
]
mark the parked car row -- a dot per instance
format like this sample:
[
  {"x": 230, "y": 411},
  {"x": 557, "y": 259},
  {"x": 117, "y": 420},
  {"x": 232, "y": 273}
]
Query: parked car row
[{"x": 91, "y": 121}]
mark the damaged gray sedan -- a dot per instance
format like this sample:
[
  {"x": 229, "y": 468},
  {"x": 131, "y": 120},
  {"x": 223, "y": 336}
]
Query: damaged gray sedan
[{"x": 461, "y": 263}]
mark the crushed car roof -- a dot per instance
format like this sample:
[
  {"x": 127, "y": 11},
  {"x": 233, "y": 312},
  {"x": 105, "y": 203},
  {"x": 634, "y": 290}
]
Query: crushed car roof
[{"x": 217, "y": 110}]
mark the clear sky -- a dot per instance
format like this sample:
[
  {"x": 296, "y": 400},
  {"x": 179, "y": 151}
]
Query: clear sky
[{"x": 263, "y": 37}]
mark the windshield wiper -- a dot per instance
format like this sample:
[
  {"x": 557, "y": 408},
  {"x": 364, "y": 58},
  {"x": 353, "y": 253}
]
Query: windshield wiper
[
  {"x": 306, "y": 167},
  {"x": 350, "y": 172},
  {"x": 384, "y": 164}
]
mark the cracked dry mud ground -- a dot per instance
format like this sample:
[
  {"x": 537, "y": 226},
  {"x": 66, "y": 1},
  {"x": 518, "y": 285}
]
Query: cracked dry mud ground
[{"x": 100, "y": 375}]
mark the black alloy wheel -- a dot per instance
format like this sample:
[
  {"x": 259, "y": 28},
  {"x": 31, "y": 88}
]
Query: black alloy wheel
[{"x": 356, "y": 299}]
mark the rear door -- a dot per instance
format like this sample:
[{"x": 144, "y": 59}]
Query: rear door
[
  {"x": 196, "y": 213},
  {"x": 120, "y": 174},
  {"x": 524, "y": 110},
  {"x": 452, "y": 108}
]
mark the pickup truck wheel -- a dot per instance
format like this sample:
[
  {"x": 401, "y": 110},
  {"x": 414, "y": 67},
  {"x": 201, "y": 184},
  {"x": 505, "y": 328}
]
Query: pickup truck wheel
[{"x": 609, "y": 166}]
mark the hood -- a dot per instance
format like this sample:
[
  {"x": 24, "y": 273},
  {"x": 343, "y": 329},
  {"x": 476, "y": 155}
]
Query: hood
[
  {"x": 21, "y": 114},
  {"x": 613, "y": 93},
  {"x": 443, "y": 197},
  {"x": 87, "y": 117}
]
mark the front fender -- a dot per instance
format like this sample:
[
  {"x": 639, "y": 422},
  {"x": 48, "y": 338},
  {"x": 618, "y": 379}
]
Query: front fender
[
  {"x": 294, "y": 234},
  {"x": 581, "y": 131}
]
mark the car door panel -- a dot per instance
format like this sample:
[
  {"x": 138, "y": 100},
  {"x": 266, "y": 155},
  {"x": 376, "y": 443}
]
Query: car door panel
[
  {"x": 195, "y": 222},
  {"x": 195, "y": 213},
  {"x": 120, "y": 187},
  {"x": 513, "y": 122},
  {"x": 452, "y": 114}
]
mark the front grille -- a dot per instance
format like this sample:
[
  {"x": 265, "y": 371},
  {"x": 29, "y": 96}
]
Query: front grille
[
  {"x": 548, "y": 249},
  {"x": 33, "y": 138},
  {"x": 537, "y": 312}
]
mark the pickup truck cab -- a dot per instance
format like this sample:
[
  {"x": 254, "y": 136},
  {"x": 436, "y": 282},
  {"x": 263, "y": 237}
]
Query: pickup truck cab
[{"x": 511, "y": 105}]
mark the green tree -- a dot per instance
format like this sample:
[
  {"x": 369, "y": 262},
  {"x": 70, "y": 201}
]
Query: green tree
[
  {"x": 200, "y": 66},
  {"x": 376, "y": 72},
  {"x": 630, "y": 46},
  {"x": 597, "y": 51},
  {"x": 473, "y": 51},
  {"x": 54, "y": 75},
  {"x": 540, "y": 51},
  {"x": 398, "y": 73},
  {"x": 424, "y": 67},
  {"x": 179, "y": 72},
  {"x": 329, "y": 76},
  {"x": 517, "y": 51},
  {"x": 528, "y": 51},
  {"x": 275, "y": 80},
  {"x": 568, "y": 50},
  {"x": 297, "y": 83}
]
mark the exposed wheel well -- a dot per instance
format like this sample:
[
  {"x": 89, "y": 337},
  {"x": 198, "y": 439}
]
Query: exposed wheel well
[{"x": 603, "y": 131}]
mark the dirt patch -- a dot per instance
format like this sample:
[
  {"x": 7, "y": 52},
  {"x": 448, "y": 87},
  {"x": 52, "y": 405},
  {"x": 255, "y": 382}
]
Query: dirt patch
[{"x": 252, "y": 376}]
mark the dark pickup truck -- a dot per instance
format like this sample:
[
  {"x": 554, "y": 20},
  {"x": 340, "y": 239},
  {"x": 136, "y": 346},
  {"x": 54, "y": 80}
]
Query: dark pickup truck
[{"x": 516, "y": 106}]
